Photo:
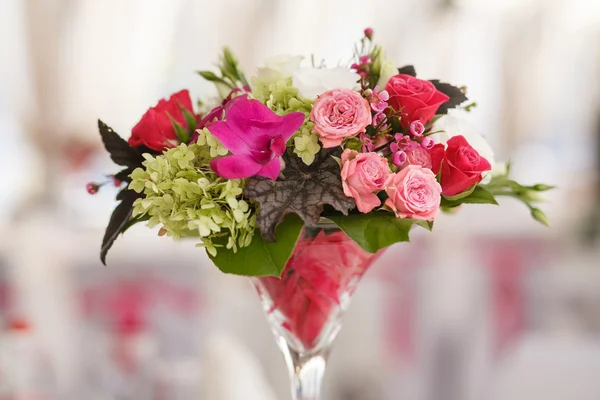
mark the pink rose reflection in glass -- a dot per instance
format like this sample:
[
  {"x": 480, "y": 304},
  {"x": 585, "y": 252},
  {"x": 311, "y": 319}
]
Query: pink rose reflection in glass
[{"x": 306, "y": 304}]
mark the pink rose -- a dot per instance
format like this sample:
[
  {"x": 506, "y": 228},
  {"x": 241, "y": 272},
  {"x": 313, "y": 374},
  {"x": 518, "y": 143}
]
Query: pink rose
[
  {"x": 363, "y": 175},
  {"x": 418, "y": 156},
  {"x": 414, "y": 193},
  {"x": 339, "y": 114}
]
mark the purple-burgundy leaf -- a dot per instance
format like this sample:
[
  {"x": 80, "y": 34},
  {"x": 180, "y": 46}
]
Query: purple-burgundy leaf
[
  {"x": 301, "y": 189},
  {"x": 120, "y": 151}
]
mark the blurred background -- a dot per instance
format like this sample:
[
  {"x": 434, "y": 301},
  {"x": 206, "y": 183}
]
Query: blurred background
[{"x": 490, "y": 306}]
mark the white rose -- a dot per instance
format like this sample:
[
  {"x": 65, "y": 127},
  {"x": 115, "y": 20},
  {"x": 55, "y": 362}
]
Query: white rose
[
  {"x": 275, "y": 69},
  {"x": 285, "y": 65},
  {"x": 388, "y": 69},
  {"x": 312, "y": 82},
  {"x": 453, "y": 125}
]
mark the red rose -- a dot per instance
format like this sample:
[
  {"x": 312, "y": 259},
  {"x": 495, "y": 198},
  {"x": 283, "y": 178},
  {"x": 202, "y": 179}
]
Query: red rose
[
  {"x": 155, "y": 129},
  {"x": 416, "y": 98},
  {"x": 461, "y": 165}
]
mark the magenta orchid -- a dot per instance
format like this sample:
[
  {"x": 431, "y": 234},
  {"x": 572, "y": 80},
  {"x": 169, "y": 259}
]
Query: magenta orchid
[{"x": 257, "y": 138}]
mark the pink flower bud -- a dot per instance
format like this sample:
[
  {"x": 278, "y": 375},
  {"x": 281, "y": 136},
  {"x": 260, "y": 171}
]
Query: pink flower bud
[
  {"x": 399, "y": 158},
  {"x": 369, "y": 33},
  {"x": 417, "y": 128},
  {"x": 92, "y": 188},
  {"x": 378, "y": 119},
  {"x": 427, "y": 143}
]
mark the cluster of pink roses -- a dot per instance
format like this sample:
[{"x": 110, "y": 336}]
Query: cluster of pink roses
[{"x": 413, "y": 191}]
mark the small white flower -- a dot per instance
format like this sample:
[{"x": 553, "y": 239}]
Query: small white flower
[
  {"x": 453, "y": 125},
  {"x": 311, "y": 82},
  {"x": 276, "y": 69},
  {"x": 388, "y": 69},
  {"x": 285, "y": 65}
]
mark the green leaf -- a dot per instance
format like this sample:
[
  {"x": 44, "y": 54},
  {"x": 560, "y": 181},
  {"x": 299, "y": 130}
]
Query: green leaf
[
  {"x": 455, "y": 94},
  {"x": 190, "y": 121},
  {"x": 123, "y": 175},
  {"x": 120, "y": 151},
  {"x": 408, "y": 70},
  {"x": 135, "y": 220},
  {"x": 180, "y": 131},
  {"x": 376, "y": 231},
  {"x": 479, "y": 195},
  {"x": 118, "y": 220},
  {"x": 261, "y": 258},
  {"x": 462, "y": 195}
]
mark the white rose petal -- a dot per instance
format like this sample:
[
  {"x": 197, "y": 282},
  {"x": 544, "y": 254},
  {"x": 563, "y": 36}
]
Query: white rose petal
[
  {"x": 388, "y": 69},
  {"x": 285, "y": 65},
  {"x": 311, "y": 82}
]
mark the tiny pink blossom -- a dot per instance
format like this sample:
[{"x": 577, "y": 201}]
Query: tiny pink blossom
[
  {"x": 369, "y": 33},
  {"x": 378, "y": 119},
  {"x": 256, "y": 136},
  {"x": 403, "y": 142},
  {"x": 363, "y": 175},
  {"x": 367, "y": 143},
  {"x": 339, "y": 114},
  {"x": 399, "y": 158},
  {"x": 427, "y": 143},
  {"x": 362, "y": 67},
  {"x": 414, "y": 193},
  {"x": 417, "y": 129},
  {"x": 379, "y": 100}
]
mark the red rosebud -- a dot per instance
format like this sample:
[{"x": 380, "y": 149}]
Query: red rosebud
[
  {"x": 155, "y": 129},
  {"x": 416, "y": 98},
  {"x": 461, "y": 165},
  {"x": 369, "y": 33}
]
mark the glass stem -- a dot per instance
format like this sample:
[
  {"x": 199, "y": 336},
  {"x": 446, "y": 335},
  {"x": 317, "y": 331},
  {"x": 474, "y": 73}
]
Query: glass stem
[{"x": 306, "y": 371}]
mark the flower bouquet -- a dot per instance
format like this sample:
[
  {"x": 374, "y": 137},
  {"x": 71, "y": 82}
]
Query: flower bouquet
[{"x": 300, "y": 177}]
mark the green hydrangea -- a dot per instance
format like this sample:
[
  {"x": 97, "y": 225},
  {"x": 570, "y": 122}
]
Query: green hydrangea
[
  {"x": 215, "y": 147},
  {"x": 282, "y": 97},
  {"x": 185, "y": 197},
  {"x": 306, "y": 143}
]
